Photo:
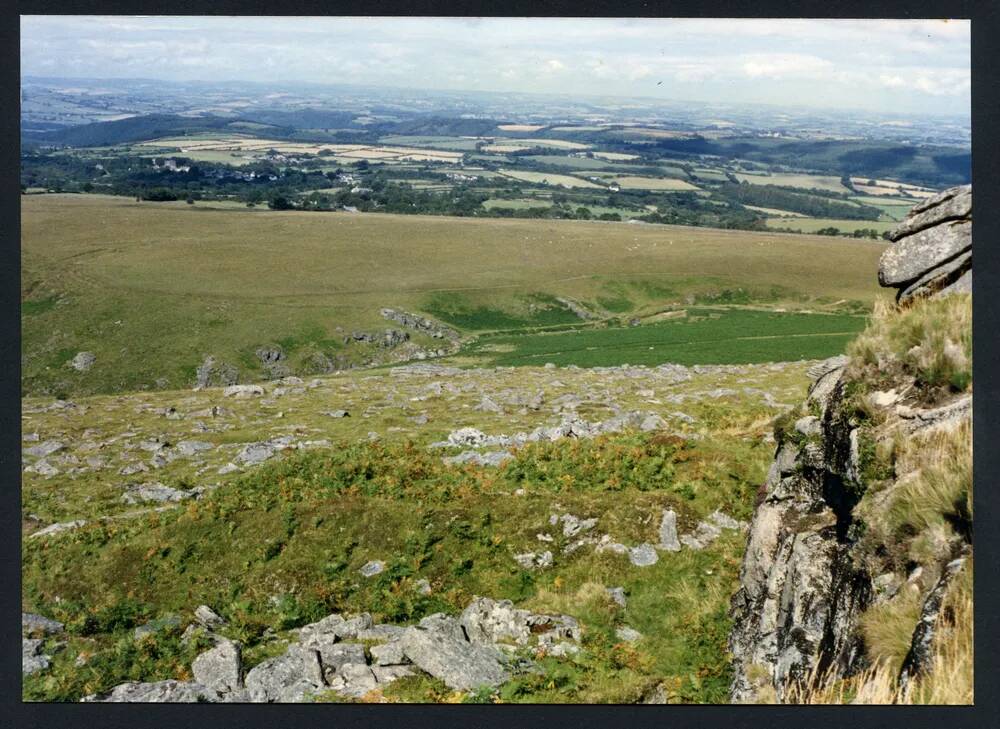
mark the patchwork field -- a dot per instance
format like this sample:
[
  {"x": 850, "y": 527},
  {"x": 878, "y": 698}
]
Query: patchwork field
[
  {"x": 633, "y": 182},
  {"x": 244, "y": 146},
  {"x": 190, "y": 281},
  {"x": 806, "y": 182},
  {"x": 547, "y": 178}
]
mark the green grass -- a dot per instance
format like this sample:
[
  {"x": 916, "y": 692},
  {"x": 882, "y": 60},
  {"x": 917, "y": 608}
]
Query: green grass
[
  {"x": 300, "y": 528},
  {"x": 151, "y": 288},
  {"x": 704, "y": 337}
]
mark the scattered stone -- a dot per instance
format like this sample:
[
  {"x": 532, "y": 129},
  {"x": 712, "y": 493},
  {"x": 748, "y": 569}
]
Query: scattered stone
[
  {"x": 617, "y": 594},
  {"x": 158, "y": 625},
  {"x": 643, "y": 555},
  {"x": 423, "y": 587},
  {"x": 668, "y": 531},
  {"x": 32, "y": 624},
  {"x": 488, "y": 405},
  {"x": 154, "y": 491},
  {"x": 530, "y": 560},
  {"x": 193, "y": 447},
  {"x": 57, "y": 528},
  {"x": 32, "y": 660},
  {"x": 133, "y": 468},
  {"x": 220, "y": 668},
  {"x": 370, "y": 569},
  {"x": 254, "y": 453},
  {"x": 227, "y": 469},
  {"x": 629, "y": 635},
  {"x": 338, "y": 413},
  {"x": 42, "y": 468},
  {"x": 492, "y": 458},
  {"x": 241, "y": 391},
  {"x": 45, "y": 449},
  {"x": 208, "y": 618},
  {"x": 83, "y": 361}
]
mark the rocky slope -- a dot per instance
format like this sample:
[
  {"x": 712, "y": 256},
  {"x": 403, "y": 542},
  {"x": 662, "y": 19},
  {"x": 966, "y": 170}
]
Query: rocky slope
[{"x": 849, "y": 524}]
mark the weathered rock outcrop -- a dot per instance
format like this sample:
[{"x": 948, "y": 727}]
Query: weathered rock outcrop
[
  {"x": 807, "y": 572},
  {"x": 465, "y": 652},
  {"x": 932, "y": 247}
]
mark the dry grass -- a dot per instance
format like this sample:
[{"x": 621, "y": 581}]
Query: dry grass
[
  {"x": 940, "y": 488},
  {"x": 930, "y": 340}
]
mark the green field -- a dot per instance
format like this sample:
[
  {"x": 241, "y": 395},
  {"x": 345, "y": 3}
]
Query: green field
[
  {"x": 704, "y": 336},
  {"x": 152, "y": 288},
  {"x": 632, "y": 182},
  {"x": 811, "y": 225},
  {"x": 806, "y": 182},
  {"x": 448, "y": 143},
  {"x": 547, "y": 178}
]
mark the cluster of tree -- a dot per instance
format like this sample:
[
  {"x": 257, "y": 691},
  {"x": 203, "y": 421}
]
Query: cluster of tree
[{"x": 817, "y": 206}]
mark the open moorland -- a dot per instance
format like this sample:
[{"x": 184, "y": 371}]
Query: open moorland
[{"x": 189, "y": 282}]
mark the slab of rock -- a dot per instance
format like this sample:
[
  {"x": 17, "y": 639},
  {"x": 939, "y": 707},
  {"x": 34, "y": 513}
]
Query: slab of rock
[
  {"x": 253, "y": 453},
  {"x": 463, "y": 666},
  {"x": 193, "y": 447},
  {"x": 909, "y": 258},
  {"x": 243, "y": 391},
  {"x": 57, "y": 528},
  {"x": 668, "y": 531},
  {"x": 292, "y": 677},
  {"x": 212, "y": 373},
  {"x": 338, "y": 626},
  {"x": 629, "y": 635},
  {"x": 47, "y": 448},
  {"x": 354, "y": 679},
  {"x": 221, "y": 668},
  {"x": 208, "y": 618},
  {"x": 160, "y": 692},
  {"x": 941, "y": 279},
  {"x": 370, "y": 569},
  {"x": 155, "y": 492},
  {"x": 32, "y": 624},
  {"x": 32, "y": 660},
  {"x": 643, "y": 555},
  {"x": 389, "y": 654},
  {"x": 487, "y": 621},
  {"x": 952, "y": 204},
  {"x": 83, "y": 361}
]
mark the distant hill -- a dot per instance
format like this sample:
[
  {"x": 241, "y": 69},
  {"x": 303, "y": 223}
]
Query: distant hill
[{"x": 133, "y": 129}]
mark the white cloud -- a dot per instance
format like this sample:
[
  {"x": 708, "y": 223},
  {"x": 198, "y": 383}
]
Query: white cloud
[{"x": 784, "y": 65}]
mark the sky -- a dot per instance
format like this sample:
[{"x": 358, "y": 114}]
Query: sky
[{"x": 915, "y": 66}]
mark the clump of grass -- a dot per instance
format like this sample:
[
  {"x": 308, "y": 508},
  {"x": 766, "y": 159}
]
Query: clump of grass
[
  {"x": 940, "y": 488},
  {"x": 887, "y": 628},
  {"x": 930, "y": 341}
]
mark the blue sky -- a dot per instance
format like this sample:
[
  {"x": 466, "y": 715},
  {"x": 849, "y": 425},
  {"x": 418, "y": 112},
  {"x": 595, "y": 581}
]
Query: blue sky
[{"x": 889, "y": 65}]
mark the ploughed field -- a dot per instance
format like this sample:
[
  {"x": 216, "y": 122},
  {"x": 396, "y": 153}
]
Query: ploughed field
[{"x": 151, "y": 289}]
